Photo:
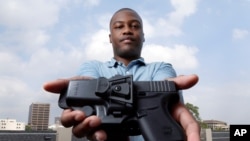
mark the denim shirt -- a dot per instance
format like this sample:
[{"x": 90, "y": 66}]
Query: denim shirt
[{"x": 156, "y": 71}]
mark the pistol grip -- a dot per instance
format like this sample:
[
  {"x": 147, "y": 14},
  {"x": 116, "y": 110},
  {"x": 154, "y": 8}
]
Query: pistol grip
[{"x": 154, "y": 116}]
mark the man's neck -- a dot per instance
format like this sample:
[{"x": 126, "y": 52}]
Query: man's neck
[{"x": 125, "y": 61}]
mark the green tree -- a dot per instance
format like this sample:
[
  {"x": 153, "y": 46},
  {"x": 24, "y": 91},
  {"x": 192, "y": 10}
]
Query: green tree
[
  {"x": 195, "y": 112},
  {"x": 28, "y": 128}
]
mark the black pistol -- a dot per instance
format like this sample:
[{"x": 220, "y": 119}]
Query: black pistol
[{"x": 127, "y": 107}]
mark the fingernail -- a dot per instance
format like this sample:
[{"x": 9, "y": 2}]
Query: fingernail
[{"x": 98, "y": 138}]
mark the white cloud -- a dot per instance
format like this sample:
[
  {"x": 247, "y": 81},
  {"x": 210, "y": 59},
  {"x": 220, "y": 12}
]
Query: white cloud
[
  {"x": 97, "y": 46},
  {"x": 47, "y": 64},
  {"x": 149, "y": 29},
  {"x": 104, "y": 19},
  {"x": 240, "y": 34},
  {"x": 24, "y": 40},
  {"x": 183, "y": 8},
  {"x": 29, "y": 14},
  {"x": 26, "y": 23},
  {"x": 87, "y": 3},
  {"x": 181, "y": 56},
  {"x": 21, "y": 79},
  {"x": 170, "y": 25},
  {"x": 222, "y": 102},
  {"x": 15, "y": 95},
  {"x": 10, "y": 64},
  {"x": 12, "y": 88},
  {"x": 91, "y": 2}
]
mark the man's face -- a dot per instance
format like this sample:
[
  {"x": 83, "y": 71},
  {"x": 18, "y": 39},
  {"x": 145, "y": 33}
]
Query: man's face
[{"x": 126, "y": 35}]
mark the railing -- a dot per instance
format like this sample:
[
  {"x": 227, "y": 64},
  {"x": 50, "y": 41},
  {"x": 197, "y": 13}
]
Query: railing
[{"x": 208, "y": 135}]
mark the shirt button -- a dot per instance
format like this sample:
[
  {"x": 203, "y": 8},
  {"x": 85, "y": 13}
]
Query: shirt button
[{"x": 127, "y": 72}]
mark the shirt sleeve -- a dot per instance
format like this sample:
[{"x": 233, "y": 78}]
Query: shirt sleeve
[
  {"x": 89, "y": 69},
  {"x": 165, "y": 71}
]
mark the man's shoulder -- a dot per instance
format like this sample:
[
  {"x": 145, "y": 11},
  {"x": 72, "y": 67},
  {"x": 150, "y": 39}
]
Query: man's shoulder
[
  {"x": 94, "y": 62},
  {"x": 97, "y": 64},
  {"x": 159, "y": 64}
]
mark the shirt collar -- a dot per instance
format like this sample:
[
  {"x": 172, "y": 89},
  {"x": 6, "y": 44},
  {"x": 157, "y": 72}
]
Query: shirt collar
[{"x": 114, "y": 62}]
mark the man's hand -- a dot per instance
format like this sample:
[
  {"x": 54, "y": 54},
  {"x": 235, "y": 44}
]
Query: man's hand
[
  {"x": 181, "y": 113},
  {"x": 84, "y": 126}
]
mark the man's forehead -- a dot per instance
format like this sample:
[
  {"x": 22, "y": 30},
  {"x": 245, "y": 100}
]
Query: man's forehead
[{"x": 119, "y": 16}]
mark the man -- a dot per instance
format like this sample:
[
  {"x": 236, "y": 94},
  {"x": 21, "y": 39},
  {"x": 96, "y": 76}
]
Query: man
[{"x": 126, "y": 37}]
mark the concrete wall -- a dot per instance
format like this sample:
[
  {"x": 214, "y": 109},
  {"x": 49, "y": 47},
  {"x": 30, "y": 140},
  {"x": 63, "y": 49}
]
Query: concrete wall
[
  {"x": 64, "y": 134},
  {"x": 206, "y": 135}
]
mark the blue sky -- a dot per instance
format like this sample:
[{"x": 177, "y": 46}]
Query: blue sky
[{"x": 45, "y": 40}]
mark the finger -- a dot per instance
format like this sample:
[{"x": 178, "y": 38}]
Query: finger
[
  {"x": 70, "y": 118},
  {"x": 99, "y": 135},
  {"x": 56, "y": 86},
  {"x": 185, "y": 81},
  {"x": 86, "y": 127},
  {"x": 59, "y": 85},
  {"x": 190, "y": 125}
]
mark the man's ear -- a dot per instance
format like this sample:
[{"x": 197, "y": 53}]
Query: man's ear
[
  {"x": 110, "y": 38},
  {"x": 143, "y": 38}
]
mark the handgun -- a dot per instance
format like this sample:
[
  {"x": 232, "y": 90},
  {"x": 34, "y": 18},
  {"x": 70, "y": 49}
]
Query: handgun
[{"x": 127, "y": 107}]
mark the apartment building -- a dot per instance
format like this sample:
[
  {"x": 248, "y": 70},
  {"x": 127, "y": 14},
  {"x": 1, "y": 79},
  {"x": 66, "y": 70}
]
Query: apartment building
[{"x": 39, "y": 116}]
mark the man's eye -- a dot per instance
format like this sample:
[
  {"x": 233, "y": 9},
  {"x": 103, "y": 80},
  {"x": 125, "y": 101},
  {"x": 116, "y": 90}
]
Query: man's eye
[
  {"x": 118, "y": 27},
  {"x": 135, "y": 26}
]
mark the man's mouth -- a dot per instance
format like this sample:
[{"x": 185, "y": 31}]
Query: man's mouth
[{"x": 127, "y": 39}]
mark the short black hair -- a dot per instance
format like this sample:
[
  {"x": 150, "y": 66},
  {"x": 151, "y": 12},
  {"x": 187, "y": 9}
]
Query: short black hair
[{"x": 125, "y": 9}]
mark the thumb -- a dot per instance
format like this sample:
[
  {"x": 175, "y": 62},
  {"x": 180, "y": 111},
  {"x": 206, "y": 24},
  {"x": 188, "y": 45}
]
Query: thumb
[{"x": 185, "y": 81}]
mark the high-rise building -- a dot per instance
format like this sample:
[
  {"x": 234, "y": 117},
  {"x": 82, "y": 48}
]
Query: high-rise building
[{"x": 39, "y": 116}]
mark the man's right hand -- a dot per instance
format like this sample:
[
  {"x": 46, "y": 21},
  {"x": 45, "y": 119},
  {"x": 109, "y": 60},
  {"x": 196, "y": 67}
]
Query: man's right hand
[{"x": 82, "y": 125}]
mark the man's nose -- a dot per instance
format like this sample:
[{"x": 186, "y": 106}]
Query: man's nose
[{"x": 127, "y": 30}]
